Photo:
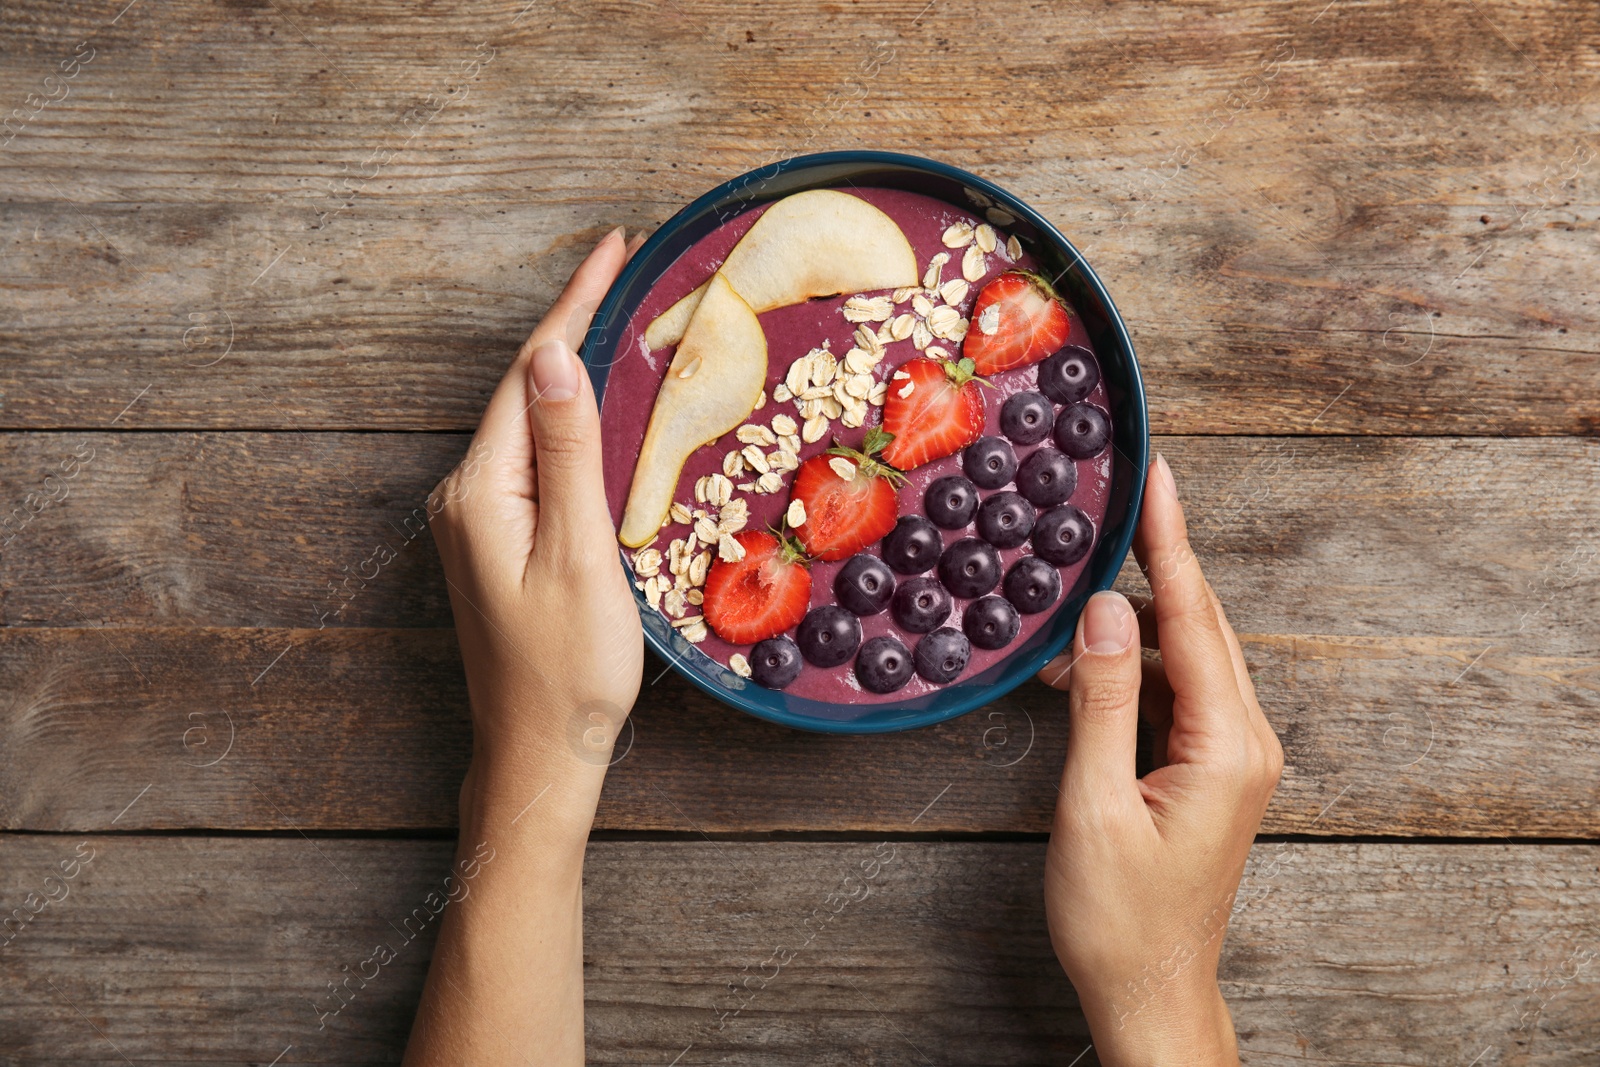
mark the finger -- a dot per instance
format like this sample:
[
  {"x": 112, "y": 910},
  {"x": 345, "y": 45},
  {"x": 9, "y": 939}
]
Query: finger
[
  {"x": 572, "y": 513},
  {"x": 504, "y": 422},
  {"x": 1241, "y": 670},
  {"x": 1192, "y": 646},
  {"x": 1057, "y": 674},
  {"x": 1103, "y": 707},
  {"x": 1145, "y": 612}
]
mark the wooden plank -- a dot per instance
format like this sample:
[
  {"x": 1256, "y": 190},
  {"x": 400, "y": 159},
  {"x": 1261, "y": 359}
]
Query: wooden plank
[
  {"x": 1429, "y": 664},
  {"x": 1468, "y": 538},
  {"x": 367, "y": 729},
  {"x": 1415, "y": 260},
  {"x": 179, "y": 950}
]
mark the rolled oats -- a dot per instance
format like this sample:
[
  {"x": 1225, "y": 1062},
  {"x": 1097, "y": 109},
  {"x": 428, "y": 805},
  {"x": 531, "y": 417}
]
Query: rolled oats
[
  {"x": 680, "y": 514},
  {"x": 739, "y": 665},
  {"x": 782, "y": 425},
  {"x": 770, "y": 482},
  {"x": 811, "y": 409},
  {"x": 647, "y": 562},
  {"x": 783, "y": 460},
  {"x": 880, "y": 393},
  {"x": 855, "y": 414},
  {"x": 695, "y": 632},
  {"x": 943, "y": 321},
  {"x": 754, "y": 434},
  {"x": 790, "y": 442},
  {"x": 755, "y": 459},
  {"x": 922, "y": 305},
  {"x": 903, "y": 294},
  {"x": 859, "y": 361},
  {"x": 1013, "y": 248},
  {"x": 781, "y": 393},
  {"x": 843, "y": 468},
  {"x": 930, "y": 277},
  {"x": 989, "y": 321},
  {"x": 868, "y": 308},
  {"x": 795, "y": 516},
  {"x": 799, "y": 375},
  {"x": 706, "y": 530},
  {"x": 905, "y": 390},
  {"x": 831, "y": 407},
  {"x": 921, "y": 336},
  {"x": 695, "y": 597},
  {"x": 954, "y": 291},
  {"x": 815, "y": 429},
  {"x": 958, "y": 235},
  {"x": 973, "y": 266},
  {"x": 673, "y": 603},
  {"x": 936, "y": 352},
  {"x": 733, "y": 464},
  {"x": 823, "y": 367},
  {"x": 903, "y": 326},
  {"x": 858, "y": 385},
  {"x": 721, "y": 490},
  {"x": 986, "y": 238},
  {"x": 761, "y": 400}
]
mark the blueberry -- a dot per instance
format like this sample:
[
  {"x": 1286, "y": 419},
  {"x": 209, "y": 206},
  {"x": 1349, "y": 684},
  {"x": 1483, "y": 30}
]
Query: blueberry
[
  {"x": 1082, "y": 430},
  {"x": 864, "y": 585},
  {"x": 1026, "y": 418},
  {"x": 951, "y": 502},
  {"x": 913, "y": 546},
  {"x": 920, "y": 605},
  {"x": 884, "y": 665},
  {"x": 1031, "y": 585},
  {"x": 1062, "y": 535},
  {"x": 775, "y": 662},
  {"x": 969, "y": 568},
  {"x": 942, "y": 655},
  {"x": 1047, "y": 477},
  {"x": 1069, "y": 375},
  {"x": 828, "y": 636},
  {"x": 1005, "y": 520},
  {"x": 990, "y": 462},
  {"x": 991, "y": 622}
]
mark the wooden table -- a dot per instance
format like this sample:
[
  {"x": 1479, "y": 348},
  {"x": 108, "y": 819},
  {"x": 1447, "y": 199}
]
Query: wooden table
[{"x": 263, "y": 261}]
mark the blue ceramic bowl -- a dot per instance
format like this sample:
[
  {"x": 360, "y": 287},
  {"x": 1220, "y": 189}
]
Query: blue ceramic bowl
[{"x": 1119, "y": 369}]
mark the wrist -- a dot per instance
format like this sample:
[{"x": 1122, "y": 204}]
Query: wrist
[
  {"x": 548, "y": 804},
  {"x": 1190, "y": 1027}
]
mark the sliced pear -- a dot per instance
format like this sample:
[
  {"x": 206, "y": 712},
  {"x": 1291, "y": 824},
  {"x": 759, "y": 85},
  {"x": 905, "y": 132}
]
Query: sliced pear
[
  {"x": 667, "y": 328},
  {"x": 715, "y": 378},
  {"x": 817, "y": 243}
]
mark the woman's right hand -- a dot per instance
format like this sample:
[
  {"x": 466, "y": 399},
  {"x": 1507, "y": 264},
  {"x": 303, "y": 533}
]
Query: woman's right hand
[{"x": 1141, "y": 873}]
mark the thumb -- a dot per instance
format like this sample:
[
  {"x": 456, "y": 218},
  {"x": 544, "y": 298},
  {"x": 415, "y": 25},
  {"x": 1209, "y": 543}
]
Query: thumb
[
  {"x": 568, "y": 472},
  {"x": 1104, "y": 702}
]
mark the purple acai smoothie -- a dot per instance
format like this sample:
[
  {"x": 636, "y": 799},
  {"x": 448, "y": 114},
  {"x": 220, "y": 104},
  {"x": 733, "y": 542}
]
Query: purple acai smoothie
[{"x": 792, "y": 333}]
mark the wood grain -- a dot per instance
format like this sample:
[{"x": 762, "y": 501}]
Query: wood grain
[
  {"x": 349, "y": 729},
  {"x": 182, "y": 950},
  {"x": 1368, "y": 218},
  {"x": 1462, "y": 538}
]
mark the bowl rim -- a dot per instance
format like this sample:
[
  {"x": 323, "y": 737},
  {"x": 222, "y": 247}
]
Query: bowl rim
[{"x": 1138, "y": 457}]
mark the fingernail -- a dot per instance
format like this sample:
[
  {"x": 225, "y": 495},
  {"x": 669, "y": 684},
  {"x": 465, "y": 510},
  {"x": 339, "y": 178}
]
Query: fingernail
[
  {"x": 1107, "y": 624},
  {"x": 554, "y": 368},
  {"x": 618, "y": 233},
  {"x": 1164, "y": 472}
]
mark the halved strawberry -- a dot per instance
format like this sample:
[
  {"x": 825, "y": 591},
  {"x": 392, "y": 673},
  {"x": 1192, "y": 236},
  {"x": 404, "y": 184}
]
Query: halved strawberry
[
  {"x": 934, "y": 411},
  {"x": 845, "y": 515},
  {"x": 1017, "y": 319},
  {"x": 763, "y": 594}
]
